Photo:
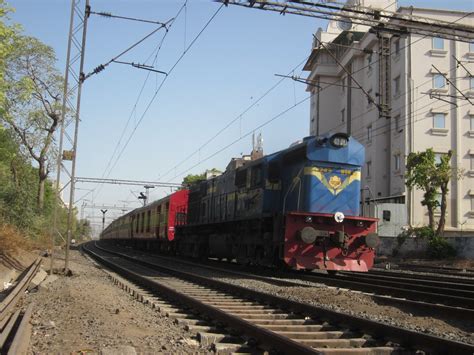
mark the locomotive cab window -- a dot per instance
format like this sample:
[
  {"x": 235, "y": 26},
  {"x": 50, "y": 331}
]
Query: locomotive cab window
[
  {"x": 256, "y": 176},
  {"x": 274, "y": 172},
  {"x": 241, "y": 178}
]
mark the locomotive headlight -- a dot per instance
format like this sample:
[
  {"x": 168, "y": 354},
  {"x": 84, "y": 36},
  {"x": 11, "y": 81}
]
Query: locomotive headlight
[
  {"x": 339, "y": 217},
  {"x": 308, "y": 219},
  {"x": 308, "y": 235}
]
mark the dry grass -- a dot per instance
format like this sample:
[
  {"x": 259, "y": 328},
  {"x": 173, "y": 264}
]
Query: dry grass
[{"x": 12, "y": 240}]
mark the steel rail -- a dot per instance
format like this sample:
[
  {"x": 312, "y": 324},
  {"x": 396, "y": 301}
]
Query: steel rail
[
  {"x": 397, "y": 290},
  {"x": 423, "y": 276},
  {"x": 452, "y": 288},
  {"x": 7, "y": 304},
  {"x": 450, "y": 270},
  {"x": 404, "y": 337},
  {"x": 21, "y": 340},
  {"x": 263, "y": 335},
  {"x": 426, "y": 308}
]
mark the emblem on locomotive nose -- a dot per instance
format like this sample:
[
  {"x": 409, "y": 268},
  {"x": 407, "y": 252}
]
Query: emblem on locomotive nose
[{"x": 335, "y": 182}]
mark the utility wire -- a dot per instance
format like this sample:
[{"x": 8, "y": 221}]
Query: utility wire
[
  {"x": 255, "y": 103},
  {"x": 247, "y": 134},
  {"x": 155, "y": 53},
  {"x": 101, "y": 67},
  {"x": 372, "y": 17},
  {"x": 163, "y": 82}
]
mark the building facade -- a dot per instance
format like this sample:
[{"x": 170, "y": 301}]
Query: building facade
[{"x": 399, "y": 93}]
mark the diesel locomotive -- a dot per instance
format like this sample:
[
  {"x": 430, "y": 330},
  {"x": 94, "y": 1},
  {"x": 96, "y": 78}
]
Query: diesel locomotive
[{"x": 298, "y": 207}]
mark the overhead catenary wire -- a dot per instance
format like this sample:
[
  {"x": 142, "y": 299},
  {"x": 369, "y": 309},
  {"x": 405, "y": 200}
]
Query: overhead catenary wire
[
  {"x": 364, "y": 67},
  {"x": 249, "y": 133},
  {"x": 154, "y": 54},
  {"x": 163, "y": 82},
  {"x": 372, "y": 17},
  {"x": 101, "y": 67},
  {"x": 235, "y": 119}
]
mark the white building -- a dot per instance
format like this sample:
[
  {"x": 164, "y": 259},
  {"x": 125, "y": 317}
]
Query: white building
[{"x": 424, "y": 110}]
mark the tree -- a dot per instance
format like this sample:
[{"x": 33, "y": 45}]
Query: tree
[
  {"x": 424, "y": 173},
  {"x": 33, "y": 102},
  {"x": 191, "y": 179},
  {"x": 8, "y": 34}
]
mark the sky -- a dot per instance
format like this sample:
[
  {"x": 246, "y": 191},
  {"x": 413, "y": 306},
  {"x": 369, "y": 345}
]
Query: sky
[{"x": 228, "y": 68}]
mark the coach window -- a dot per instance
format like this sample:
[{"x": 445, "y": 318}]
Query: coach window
[
  {"x": 274, "y": 172},
  {"x": 256, "y": 176},
  {"x": 148, "y": 221},
  {"x": 142, "y": 227},
  {"x": 241, "y": 178},
  {"x": 138, "y": 222}
]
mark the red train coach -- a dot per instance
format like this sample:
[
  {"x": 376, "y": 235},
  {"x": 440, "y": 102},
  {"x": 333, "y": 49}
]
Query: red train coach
[{"x": 152, "y": 223}]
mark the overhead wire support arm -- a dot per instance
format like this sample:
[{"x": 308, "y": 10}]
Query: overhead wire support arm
[
  {"x": 141, "y": 66},
  {"x": 109, "y": 15},
  {"x": 101, "y": 67}
]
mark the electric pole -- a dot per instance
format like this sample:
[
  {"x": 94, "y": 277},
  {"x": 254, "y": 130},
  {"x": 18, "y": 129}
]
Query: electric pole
[{"x": 103, "y": 218}]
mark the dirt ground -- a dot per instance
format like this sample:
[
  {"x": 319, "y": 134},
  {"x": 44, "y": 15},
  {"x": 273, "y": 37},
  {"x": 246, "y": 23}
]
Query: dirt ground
[{"x": 86, "y": 313}]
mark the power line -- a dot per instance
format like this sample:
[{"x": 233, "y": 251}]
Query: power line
[
  {"x": 163, "y": 82},
  {"x": 101, "y": 67},
  {"x": 247, "y": 134},
  {"x": 232, "y": 121},
  {"x": 384, "y": 20},
  {"x": 157, "y": 50}
]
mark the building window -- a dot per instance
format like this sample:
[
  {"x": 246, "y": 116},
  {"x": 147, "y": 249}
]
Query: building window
[
  {"x": 438, "y": 158},
  {"x": 398, "y": 124},
  {"x": 369, "y": 168},
  {"x": 438, "y": 81},
  {"x": 369, "y": 133},
  {"x": 396, "y": 86},
  {"x": 472, "y": 162},
  {"x": 471, "y": 119},
  {"x": 471, "y": 83},
  {"x": 397, "y": 161},
  {"x": 472, "y": 203},
  {"x": 343, "y": 115},
  {"x": 439, "y": 120},
  {"x": 438, "y": 43},
  {"x": 471, "y": 47},
  {"x": 397, "y": 47}
]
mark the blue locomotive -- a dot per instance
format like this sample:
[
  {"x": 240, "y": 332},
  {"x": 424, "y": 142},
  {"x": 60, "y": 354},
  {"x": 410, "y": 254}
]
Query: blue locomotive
[{"x": 299, "y": 207}]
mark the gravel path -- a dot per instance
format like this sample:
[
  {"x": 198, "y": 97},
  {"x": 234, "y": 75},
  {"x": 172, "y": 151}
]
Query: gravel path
[{"x": 86, "y": 313}]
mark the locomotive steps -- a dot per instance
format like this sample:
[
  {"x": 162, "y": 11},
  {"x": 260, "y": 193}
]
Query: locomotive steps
[{"x": 271, "y": 321}]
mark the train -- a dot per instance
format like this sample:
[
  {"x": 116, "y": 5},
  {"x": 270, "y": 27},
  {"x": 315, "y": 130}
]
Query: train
[{"x": 297, "y": 208}]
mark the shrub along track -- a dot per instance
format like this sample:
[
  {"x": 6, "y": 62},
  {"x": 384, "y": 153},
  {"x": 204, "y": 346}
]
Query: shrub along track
[
  {"x": 273, "y": 322},
  {"x": 15, "y": 328}
]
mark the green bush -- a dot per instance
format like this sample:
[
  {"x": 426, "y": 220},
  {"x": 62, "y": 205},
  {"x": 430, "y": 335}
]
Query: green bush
[{"x": 439, "y": 248}]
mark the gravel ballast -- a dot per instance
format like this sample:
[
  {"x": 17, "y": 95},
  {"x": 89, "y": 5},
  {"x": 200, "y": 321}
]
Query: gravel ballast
[{"x": 86, "y": 313}]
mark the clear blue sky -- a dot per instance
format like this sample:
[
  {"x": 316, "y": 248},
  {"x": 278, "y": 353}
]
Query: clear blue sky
[{"x": 229, "y": 67}]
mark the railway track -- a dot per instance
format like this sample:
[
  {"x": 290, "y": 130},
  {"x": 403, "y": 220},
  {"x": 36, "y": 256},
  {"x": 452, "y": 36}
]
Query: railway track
[
  {"x": 444, "y": 270},
  {"x": 15, "y": 328},
  {"x": 272, "y": 322},
  {"x": 422, "y": 302}
]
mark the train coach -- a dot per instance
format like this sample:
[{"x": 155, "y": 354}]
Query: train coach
[{"x": 298, "y": 207}]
